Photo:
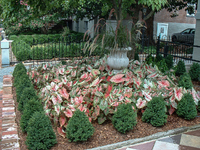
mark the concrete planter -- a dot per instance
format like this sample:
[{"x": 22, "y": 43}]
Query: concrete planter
[{"x": 118, "y": 59}]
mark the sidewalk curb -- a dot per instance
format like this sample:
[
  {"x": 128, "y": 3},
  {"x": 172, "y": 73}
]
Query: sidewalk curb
[{"x": 147, "y": 138}]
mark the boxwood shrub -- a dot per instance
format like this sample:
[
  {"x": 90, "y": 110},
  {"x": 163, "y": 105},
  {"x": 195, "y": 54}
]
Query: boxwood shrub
[
  {"x": 79, "y": 127},
  {"x": 180, "y": 68},
  {"x": 124, "y": 119},
  {"x": 33, "y": 105},
  {"x": 27, "y": 94},
  {"x": 186, "y": 107},
  {"x": 155, "y": 112},
  {"x": 185, "y": 81},
  {"x": 40, "y": 134},
  {"x": 195, "y": 71}
]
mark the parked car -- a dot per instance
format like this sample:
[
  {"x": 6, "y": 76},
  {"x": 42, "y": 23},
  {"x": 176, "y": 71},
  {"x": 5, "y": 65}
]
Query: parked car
[{"x": 186, "y": 36}]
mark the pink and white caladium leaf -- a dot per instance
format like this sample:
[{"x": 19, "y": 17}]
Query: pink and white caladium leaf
[
  {"x": 46, "y": 76},
  {"x": 89, "y": 68},
  {"x": 57, "y": 109},
  {"x": 136, "y": 62},
  {"x": 147, "y": 95},
  {"x": 62, "y": 120},
  {"x": 61, "y": 132},
  {"x": 82, "y": 108},
  {"x": 84, "y": 76},
  {"x": 64, "y": 80},
  {"x": 69, "y": 84},
  {"x": 73, "y": 73},
  {"x": 103, "y": 104},
  {"x": 101, "y": 67},
  {"x": 171, "y": 110},
  {"x": 163, "y": 83},
  {"x": 178, "y": 93},
  {"x": 95, "y": 82},
  {"x": 194, "y": 95},
  {"x": 108, "y": 68},
  {"x": 153, "y": 75},
  {"x": 68, "y": 113},
  {"x": 56, "y": 99},
  {"x": 61, "y": 71},
  {"x": 140, "y": 103},
  {"x": 45, "y": 66},
  {"x": 63, "y": 92},
  {"x": 118, "y": 78},
  {"x": 68, "y": 71},
  {"x": 137, "y": 82},
  {"x": 95, "y": 72}
]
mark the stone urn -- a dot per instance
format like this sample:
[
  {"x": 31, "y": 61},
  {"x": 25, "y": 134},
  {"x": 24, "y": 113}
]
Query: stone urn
[{"x": 118, "y": 59}]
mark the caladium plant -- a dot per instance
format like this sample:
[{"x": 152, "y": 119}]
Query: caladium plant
[{"x": 90, "y": 86}]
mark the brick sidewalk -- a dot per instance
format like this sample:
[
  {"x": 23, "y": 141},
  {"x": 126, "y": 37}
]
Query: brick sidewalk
[{"x": 8, "y": 127}]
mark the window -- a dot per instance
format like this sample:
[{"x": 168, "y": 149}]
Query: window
[
  {"x": 191, "y": 10},
  {"x": 77, "y": 26},
  {"x": 187, "y": 31},
  {"x": 86, "y": 25}
]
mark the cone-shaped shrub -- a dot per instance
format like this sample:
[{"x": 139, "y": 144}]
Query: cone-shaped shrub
[
  {"x": 159, "y": 57},
  {"x": 185, "y": 81},
  {"x": 18, "y": 67},
  {"x": 180, "y": 68},
  {"x": 22, "y": 77},
  {"x": 198, "y": 106},
  {"x": 169, "y": 61},
  {"x": 32, "y": 106},
  {"x": 79, "y": 127},
  {"x": 20, "y": 87},
  {"x": 155, "y": 112},
  {"x": 195, "y": 71},
  {"x": 124, "y": 119},
  {"x": 27, "y": 94},
  {"x": 186, "y": 107},
  {"x": 40, "y": 134}
]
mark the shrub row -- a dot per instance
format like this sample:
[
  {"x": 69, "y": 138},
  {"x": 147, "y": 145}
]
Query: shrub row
[
  {"x": 44, "y": 38},
  {"x": 40, "y": 134}
]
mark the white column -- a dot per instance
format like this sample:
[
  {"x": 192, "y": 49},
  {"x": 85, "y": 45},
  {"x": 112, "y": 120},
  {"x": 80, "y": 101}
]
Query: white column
[{"x": 196, "y": 50}]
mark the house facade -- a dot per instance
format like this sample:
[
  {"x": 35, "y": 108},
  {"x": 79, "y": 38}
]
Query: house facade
[{"x": 165, "y": 25}]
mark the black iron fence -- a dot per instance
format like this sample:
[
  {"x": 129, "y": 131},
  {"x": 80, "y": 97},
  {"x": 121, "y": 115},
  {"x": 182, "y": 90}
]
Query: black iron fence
[
  {"x": 44, "y": 50},
  {"x": 179, "y": 50},
  {"x": 64, "y": 48}
]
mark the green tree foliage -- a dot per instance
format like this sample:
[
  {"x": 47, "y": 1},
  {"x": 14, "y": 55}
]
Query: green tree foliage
[
  {"x": 180, "y": 68},
  {"x": 40, "y": 134},
  {"x": 32, "y": 106},
  {"x": 185, "y": 81},
  {"x": 124, "y": 119},
  {"x": 186, "y": 107},
  {"x": 155, "y": 112},
  {"x": 79, "y": 128},
  {"x": 195, "y": 71}
]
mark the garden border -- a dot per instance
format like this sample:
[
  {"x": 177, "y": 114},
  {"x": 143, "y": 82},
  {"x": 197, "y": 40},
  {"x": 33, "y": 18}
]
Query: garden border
[{"x": 8, "y": 128}]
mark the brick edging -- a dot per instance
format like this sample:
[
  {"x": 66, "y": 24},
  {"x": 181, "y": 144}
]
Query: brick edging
[{"x": 8, "y": 128}]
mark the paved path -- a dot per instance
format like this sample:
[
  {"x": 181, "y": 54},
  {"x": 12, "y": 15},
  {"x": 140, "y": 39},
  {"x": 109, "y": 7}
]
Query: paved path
[
  {"x": 5, "y": 71},
  {"x": 186, "y": 141}
]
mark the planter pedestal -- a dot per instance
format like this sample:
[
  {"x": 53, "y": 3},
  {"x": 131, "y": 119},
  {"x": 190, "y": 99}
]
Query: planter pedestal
[{"x": 118, "y": 59}]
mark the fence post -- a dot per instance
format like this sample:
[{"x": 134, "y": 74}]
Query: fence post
[
  {"x": 158, "y": 46},
  {"x": 166, "y": 50}
]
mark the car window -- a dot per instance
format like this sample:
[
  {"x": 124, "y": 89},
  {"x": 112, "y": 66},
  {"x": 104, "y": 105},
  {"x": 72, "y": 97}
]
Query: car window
[
  {"x": 192, "y": 31},
  {"x": 187, "y": 31}
]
